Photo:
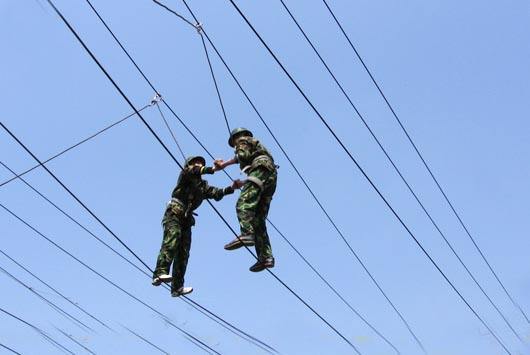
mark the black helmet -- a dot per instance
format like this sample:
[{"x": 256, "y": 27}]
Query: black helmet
[
  {"x": 190, "y": 159},
  {"x": 238, "y": 131}
]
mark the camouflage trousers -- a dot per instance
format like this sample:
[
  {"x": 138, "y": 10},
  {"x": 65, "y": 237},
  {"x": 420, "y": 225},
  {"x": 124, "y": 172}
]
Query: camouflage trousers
[
  {"x": 175, "y": 249},
  {"x": 253, "y": 207}
]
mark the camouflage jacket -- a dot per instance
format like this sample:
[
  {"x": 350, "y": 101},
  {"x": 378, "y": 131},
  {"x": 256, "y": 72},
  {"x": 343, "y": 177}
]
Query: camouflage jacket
[
  {"x": 250, "y": 154},
  {"x": 191, "y": 190}
]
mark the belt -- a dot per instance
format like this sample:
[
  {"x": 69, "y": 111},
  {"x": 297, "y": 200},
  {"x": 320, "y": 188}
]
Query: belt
[{"x": 178, "y": 202}]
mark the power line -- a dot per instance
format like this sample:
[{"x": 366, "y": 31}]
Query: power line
[
  {"x": 328, "y": 216},
  {"x": 146, "y": 340},
  {"x": 58, "y": 309},
  {"x": 193, "y": 135},
  {"x": 69, "y": 336},
  {"x": 74, "y": 196},
  {"x": 424, "y": 161},
  {"x": 9, "y": 349},
  {"x": 55, "y": 291},
  {"x": 328, "y": 69},
  {"x": 174, "y": 12},
  {"x": 217, "y": 319},
  {"x": 92, "y": 270},
  {"x": 323, "y": 120},
  {"x": 74, "y": 146},
  {"x": 43, "y": 334},
  {"x": 214, "y": 80},
  {"x": 176, "y": 161},
  {"x": 170, "y": 131}
]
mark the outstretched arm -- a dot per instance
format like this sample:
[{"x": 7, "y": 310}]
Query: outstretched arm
[
  {"x": 217, "y": 193},
  {"x": 220, "y": 164}
]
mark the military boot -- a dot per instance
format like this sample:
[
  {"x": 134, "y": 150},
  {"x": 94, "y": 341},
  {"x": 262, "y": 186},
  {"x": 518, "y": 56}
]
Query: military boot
[
  {"x": 181, "y": 291},
  {"x": 261, "y": 265},
  {"x": 240, "y": 241},
  {"x": 157, "y": 281}
]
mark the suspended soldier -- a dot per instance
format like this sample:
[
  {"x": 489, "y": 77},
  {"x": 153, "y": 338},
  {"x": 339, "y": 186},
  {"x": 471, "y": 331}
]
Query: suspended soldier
[
  {"x": 256, "y": 195},
  {"x": 178, "y": 219}
]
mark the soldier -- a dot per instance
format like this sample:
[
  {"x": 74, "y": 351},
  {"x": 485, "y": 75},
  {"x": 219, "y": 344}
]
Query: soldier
[
  {"x": 178, "y": 219},
  {"x": 256, "y": 195}
]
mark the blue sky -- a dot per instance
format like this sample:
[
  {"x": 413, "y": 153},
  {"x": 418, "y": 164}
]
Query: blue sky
[{"x": 456, "y": 72}]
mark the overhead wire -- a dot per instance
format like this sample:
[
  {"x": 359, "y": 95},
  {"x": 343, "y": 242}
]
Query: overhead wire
[
  {"x": 372, "y": 184},
  {"x": 145, "y": 340},
  {"x": 41, "y": 332},
  {"x": 424, "y": 161},
  {"x": 89, "y": 52},
  {"x": 197, "y": 341},
  {"x": 76, "y": 305},
  {"x": 200, "y": 143},
  {"x": 398, "y": 171},
  {"x": 55, "y": 307},
  {"x": 75, "y": 341},
  {"x": 206, "y": 312},
  {"x": 9, "y": 349},
  {"x": 213, "y": 78},
  {"x": 171, "y": 131},
  {"x": 319, "y": 203},
  {"x": 73, "y": 146}
]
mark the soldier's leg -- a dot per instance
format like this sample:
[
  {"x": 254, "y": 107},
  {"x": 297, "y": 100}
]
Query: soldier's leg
[
  {"x": 181, "y": 258},
  {"x": 168, "y": 249},
  {"x": 246, "y": 207},
  {"x": 263, "y": 245}
]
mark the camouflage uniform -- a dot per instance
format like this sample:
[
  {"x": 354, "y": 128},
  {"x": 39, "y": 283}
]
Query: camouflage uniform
[
  {"x": 256, "y": 195},
  {"x": 178, "y": 219}
]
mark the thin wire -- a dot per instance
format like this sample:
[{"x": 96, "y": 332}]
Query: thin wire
[
  {"x": 217, "y": 319},
  {"x": 173, "y": 12},
  {"x": 39, "y": 331},
  {"x": 55, "y": 291},
  {"x": 398, "y": 170},
  {"x": 302, "y": 178},
  {"x": 74, "y": 340},
  {"x": 333, "y": 288},
  {"x": 346, "y": 150},
  {"x": 171, "y": 131},
  {"x": 177, "y": 162},
  {"x": 130, "y": 295},
  {"x": 74, "y": 195},
  {"x": 416, "y": 149},
  {"x": 145, "y": 340},
  {"x": 8, "y": 348},
  {"x": 215, "y": 81},
  {"x": 89, "y": 52},
  {"x": 73, "y": 146},
  {"x": 58, "y": 309}
]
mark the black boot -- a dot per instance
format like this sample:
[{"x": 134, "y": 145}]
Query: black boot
[
  {"x": 237, "y": 243},
  {"x": 261, "y": 265}
]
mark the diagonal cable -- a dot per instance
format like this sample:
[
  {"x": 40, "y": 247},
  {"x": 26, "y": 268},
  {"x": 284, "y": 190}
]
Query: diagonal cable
[
  {"x": 9, "y": 349},
  {"x": 145, "y": 340},
  {"x": 376, "y": 189},
  {"x": 69, "y": 336},
  {"x": 89, "y": 52},
  {"x": 398, "y": 171},
  {"x": 214, "y": 80},
  {"x": 424, "y": 161},
  {"x": 217, "y": 319},
  {"x": 41, "y": 332},
  {"x": 171, "y": 131},
  {"x": 74, "y": 146},
  {"x": 199, "y": 343},
  {"x": 58, "y": 309},
  {"x": 55, "y": 290}
]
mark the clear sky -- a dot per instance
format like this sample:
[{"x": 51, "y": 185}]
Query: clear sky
[{"x": 458, "y": 75}]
